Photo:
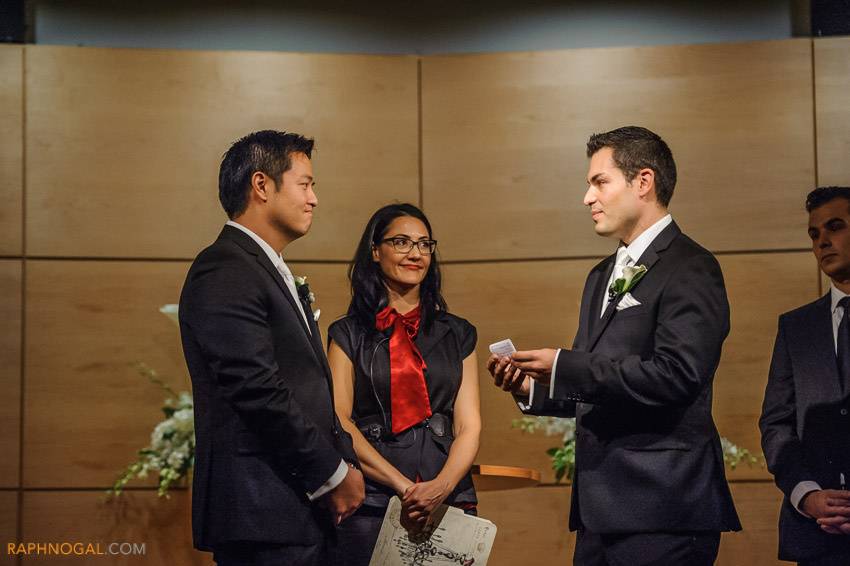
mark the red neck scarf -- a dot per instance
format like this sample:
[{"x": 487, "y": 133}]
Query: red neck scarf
[{"x": 408, "y": 392}]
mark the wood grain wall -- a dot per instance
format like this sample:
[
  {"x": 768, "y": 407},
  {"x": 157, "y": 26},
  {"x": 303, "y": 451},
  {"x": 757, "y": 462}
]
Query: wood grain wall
[{"x": 108, "y": 176}]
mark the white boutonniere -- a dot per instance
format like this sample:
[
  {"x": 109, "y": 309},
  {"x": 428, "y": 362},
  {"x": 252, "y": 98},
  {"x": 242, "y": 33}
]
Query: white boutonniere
[
  {"x": 305, "y": 294},
  {"x": 630, "y": 278}
]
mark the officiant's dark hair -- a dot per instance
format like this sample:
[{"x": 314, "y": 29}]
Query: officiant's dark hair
[
  {"x": 266, "y": 151},
  {"x": 822, "y": 195},
  {"x": 368, "y": 288},
  {"x": 637, "y": 148}
]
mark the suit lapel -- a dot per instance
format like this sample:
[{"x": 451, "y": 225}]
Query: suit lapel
[
  {"x": 819, "y": 340},
  {"x": 316, "y": 337},
  {"x": 648, "y": 259},
  {"x": 246, "y": 243},
  {"x": 591, "y": 308}
]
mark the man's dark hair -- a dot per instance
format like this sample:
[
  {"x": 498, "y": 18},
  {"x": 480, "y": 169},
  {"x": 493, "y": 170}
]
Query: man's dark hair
[
  {"x": 822, "y": 195},
  {"x": 637, "y": 148},
  {"x": 268, "y": 152}
]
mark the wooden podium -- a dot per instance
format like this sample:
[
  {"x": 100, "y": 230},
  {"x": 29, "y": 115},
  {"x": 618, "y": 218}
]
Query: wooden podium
[{"x": 493, "y": 478}]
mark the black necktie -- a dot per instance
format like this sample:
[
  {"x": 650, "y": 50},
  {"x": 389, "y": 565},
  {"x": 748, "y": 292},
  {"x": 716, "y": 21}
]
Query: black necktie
[{"x": 843, "y": 343}]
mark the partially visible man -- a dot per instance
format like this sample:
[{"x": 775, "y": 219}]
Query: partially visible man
[
  {"x": 804, "y": 423},
  {"x": 273, "y": 468},
  {"x": 650, "y": 486}
]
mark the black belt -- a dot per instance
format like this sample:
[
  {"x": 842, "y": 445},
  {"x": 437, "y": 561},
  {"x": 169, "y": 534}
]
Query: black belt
[{"x": 372, "y": 426}]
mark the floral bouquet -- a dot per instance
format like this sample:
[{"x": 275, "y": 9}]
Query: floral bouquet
[{"x": 171, "y": 452}]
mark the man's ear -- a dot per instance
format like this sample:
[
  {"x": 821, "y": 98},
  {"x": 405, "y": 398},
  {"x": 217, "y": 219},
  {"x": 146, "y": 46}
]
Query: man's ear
[
  {"x": 646, "y": 182},
  {"x": 261, "y": 185}
]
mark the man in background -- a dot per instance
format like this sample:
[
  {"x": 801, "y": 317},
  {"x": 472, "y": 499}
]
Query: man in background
[{"x": 804, "y": 423}]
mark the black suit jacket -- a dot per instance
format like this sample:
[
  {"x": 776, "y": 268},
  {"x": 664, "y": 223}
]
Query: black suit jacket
[
  {"x": 265, "y": 429},
  {"x": 639, "y": 381},
  {"x": 805, "y": 424}
]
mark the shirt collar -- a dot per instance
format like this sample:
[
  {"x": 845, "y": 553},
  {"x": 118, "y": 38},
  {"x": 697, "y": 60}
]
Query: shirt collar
[
  {"x": 639, "y": 245},
  {"x": 835, "y": 295},
  {"x": 275, "y": 257}
]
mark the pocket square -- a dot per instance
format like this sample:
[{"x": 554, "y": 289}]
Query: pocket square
[{"x": 627, "y": 302}]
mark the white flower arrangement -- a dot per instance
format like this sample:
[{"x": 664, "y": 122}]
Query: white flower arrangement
[
  {"x": 171, "y": 452},
  {"x": 564, "y": 456}
]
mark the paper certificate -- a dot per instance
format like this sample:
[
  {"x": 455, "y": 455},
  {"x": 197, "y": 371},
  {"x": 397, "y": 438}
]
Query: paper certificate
[{"x": 452, "y": 538}]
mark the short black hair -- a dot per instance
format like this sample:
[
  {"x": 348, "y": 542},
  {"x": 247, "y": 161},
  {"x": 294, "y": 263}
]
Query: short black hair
[
  {"x": 637, "y": 148},
  {"x": 822, "y": 195},
  {"x": 266, "y": 151}
]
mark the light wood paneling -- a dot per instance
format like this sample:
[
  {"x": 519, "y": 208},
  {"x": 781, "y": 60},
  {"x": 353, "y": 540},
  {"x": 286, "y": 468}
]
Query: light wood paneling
[
  {"x": 10, "y": 371},
  {"x": 87, "y": 410},
  {"x": 162, "y": 525},
  {"x": 760, "y": 288},
  {"x": 123, "y": 146},
  {"x": 532, "y": 526},
  {"x": 504, "y": 143},
  {"x": 536, "y": 305},
  {"x": 8, "y": 523},
  {"x": 757, "y": 544},
  {"x": 11, "y": 150},
  {"x": 832, "y": 94}
]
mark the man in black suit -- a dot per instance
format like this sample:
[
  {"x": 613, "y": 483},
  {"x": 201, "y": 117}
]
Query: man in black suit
[
  {"x": 649, "y": 486},
  {"x": 273, "y": 468},
  {"x": 805, "y": 424}
]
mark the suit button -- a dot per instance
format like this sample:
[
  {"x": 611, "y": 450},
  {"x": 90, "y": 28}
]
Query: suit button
[
  {"x": 843, "y": 412},
  {"x": 336, "y": 431}
]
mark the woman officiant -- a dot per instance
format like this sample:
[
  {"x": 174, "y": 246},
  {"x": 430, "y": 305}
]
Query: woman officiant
[{"x": 405, "y": 381}]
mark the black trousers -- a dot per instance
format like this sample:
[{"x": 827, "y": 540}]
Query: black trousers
[
  {"x": 268, "y": 554},
  {"x": 646, "y": 549}
]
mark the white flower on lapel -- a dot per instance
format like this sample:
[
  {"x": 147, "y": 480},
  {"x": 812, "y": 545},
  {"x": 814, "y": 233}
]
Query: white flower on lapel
[
  {"x": 306, "y": 294},
  {"x": 627, "y": 302},
  {"x": 630, "y": 278}
]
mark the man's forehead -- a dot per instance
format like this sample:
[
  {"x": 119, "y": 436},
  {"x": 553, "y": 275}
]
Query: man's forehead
[
  {"x": 601, "y": 162},
  {"x": 836, "y": 209}
]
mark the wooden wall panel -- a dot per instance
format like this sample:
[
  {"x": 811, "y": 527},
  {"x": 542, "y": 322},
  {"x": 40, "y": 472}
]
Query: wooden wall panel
[
  {"x": 536, "y": 305},
  {"x": 832, "y": 93},
  {"x": 757, "y": 544},
  {"x": 10, "y": 371},
  {"x": 504, "y": 142},
  {"x": 162, "y": 525},
  {"x": 532, "y": 526},
  {"x": 8, "y": 523},
  {"x": 87, "y": 410},
  {"x": 760, "y": 288},
  {"x": 11, "y": 150},
  {"x": 124, "y": 146}
]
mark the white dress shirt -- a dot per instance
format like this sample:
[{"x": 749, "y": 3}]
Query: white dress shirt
[
  {"x": 277, "y": 260},
  {"x": 805, "y": 487}
]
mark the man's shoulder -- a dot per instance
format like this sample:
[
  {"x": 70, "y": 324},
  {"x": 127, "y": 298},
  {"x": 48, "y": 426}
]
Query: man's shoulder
[
  {"x": 801, "y": 314},
  {"x": 687, "y": 247}
]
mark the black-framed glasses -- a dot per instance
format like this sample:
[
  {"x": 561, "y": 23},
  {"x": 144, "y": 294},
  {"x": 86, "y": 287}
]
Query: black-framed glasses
[{"x": 404, "y": 245}]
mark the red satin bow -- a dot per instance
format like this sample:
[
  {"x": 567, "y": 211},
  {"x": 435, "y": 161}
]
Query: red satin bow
[{"x": 408, "y": 392}]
